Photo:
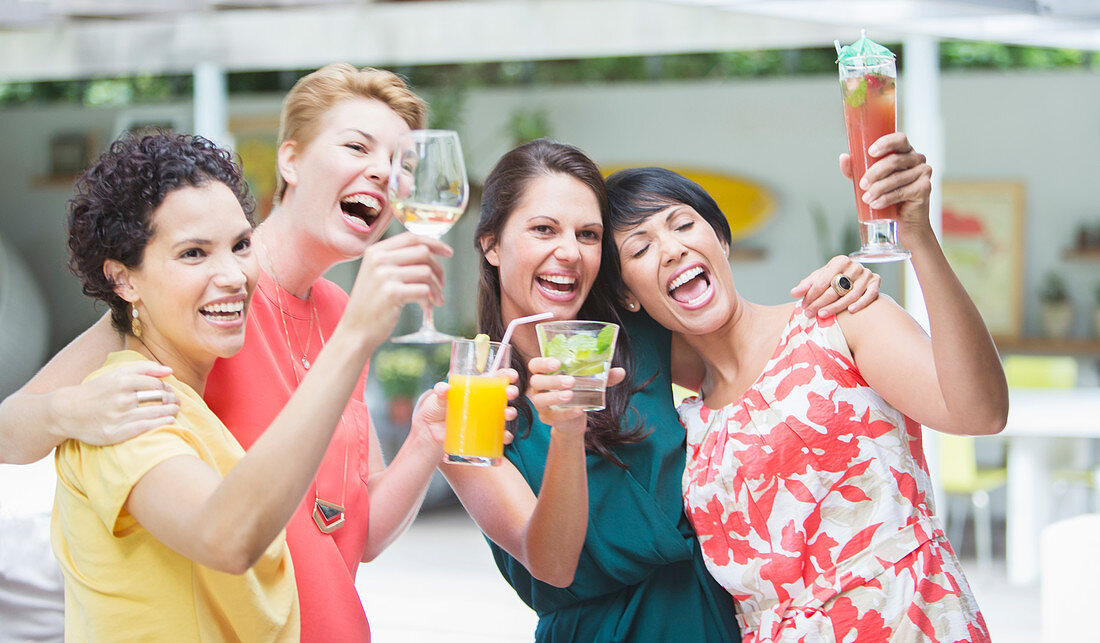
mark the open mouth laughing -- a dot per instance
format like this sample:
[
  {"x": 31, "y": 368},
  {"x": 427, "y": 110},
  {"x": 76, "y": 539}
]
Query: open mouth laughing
[
  {"x": 558, "y": 287},
  {"x": 691, "y": 288},
  {"x": 224, "y": 312},
  {"x": 363, "y": 209}
]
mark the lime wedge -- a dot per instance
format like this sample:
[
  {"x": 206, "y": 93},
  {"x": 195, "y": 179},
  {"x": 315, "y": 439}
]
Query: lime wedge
[
  {"x": 481, "y": 351},
  {"x": 582, "y": 370}
]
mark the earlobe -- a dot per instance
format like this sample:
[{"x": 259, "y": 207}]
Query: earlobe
[
  {"x": 120, "y": 277},
  {"x": 489, "y": 249},
  {"x": 631, "y": 302},
  {"x": 287, "y": 162}
]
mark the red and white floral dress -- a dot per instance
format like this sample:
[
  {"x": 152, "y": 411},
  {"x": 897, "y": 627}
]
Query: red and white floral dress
[{"x": 812, "y": 502}]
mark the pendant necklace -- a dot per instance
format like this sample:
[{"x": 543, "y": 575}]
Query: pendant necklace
[{"x": 329, "y": 516}]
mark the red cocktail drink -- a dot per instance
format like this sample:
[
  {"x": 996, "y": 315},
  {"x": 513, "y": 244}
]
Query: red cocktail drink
[
  {"x": 868, "y": 84},
  {"x": 869, "y": 114}
]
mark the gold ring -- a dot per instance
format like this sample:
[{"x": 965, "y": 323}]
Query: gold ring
[
  {"x": 841, "y": 284},
  {"x": 145, "y": 397}
]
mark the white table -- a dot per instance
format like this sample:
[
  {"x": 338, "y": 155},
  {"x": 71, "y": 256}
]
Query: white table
[{"x": 1034, "y": 417}]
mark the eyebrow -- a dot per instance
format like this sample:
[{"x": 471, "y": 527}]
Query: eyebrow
[
  {"x": 360, "y": 132},
  {"x": 199, "y": 241},
  {"x": 639, "y": 231},
  {"x": 547, "y": 217}
]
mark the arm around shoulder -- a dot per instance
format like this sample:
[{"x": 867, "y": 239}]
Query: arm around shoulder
[{"x": 56, "y": 405}]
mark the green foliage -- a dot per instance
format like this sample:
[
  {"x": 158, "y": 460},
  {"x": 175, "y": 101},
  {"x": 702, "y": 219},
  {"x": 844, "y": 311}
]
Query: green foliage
[
  {"x": 400, "y": 371},
  {"x": 960, "y": 54},
  {"x": 846, "y": 239},
  {"x": 528, "y": 125},
  {"x": 453, "y": 80},
  {"x": 1054, "y": 289}
]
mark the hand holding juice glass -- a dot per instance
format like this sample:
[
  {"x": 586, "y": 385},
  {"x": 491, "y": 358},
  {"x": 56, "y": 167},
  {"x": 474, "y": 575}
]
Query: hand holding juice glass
[
  {"x": 868, "y": 83},
  {"x": 476, "y": 402}
]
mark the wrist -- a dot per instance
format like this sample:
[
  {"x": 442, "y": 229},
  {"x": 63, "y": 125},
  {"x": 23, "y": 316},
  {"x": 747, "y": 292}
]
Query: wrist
[
  {"x": 569, "y": 432},
  {"x": 59, "y": 409}
]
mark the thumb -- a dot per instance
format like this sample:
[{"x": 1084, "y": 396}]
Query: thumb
[
  {"x": 846, "y": 165},
  {"x": 615, "y": 376}
]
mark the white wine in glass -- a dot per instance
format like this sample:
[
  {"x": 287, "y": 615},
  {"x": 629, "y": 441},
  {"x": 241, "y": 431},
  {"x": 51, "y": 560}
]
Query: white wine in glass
[{"x": 428, "y": 190}]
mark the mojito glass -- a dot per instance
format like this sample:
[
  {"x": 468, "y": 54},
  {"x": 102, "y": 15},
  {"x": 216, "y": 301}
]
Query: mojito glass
[{"x": 584, "y": 349}]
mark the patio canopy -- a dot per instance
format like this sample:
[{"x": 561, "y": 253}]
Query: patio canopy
[{"x": 68, "y": 39}]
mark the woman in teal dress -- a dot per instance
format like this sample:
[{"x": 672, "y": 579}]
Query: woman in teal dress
[{"x": 585, "y": 517}]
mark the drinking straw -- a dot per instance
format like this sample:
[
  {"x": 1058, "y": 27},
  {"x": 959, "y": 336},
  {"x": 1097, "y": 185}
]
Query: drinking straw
[{"x": 508, "y": 334}]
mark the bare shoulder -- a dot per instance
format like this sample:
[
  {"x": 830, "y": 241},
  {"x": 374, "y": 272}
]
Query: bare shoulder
[{"x": 881, "y": 318}]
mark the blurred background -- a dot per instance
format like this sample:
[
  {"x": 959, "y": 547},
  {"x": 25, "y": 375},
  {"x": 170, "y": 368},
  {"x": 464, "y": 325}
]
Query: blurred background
[{"x": 1002, "y": 95}]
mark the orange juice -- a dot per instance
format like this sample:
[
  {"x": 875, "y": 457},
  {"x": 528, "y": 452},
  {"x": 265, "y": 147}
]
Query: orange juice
[{"x": 475, "y": 419}]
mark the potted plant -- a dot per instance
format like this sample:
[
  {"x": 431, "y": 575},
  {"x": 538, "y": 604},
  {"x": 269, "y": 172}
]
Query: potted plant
[
  {"x": 1056, "y": 311},
  {"x": 400, "y": 371}
]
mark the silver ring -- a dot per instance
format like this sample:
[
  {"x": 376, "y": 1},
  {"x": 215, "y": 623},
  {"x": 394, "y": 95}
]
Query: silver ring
[
  {"x": 146, "y": 397},
  {"x": 841, "y": 284}
]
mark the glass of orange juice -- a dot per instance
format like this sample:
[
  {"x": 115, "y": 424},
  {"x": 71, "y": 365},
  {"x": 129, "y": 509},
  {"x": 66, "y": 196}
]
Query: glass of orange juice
[{"x": 475, "y": 404}]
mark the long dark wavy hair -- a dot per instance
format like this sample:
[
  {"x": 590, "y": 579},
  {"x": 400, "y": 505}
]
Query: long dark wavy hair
[{"x": 503, "y": 191}]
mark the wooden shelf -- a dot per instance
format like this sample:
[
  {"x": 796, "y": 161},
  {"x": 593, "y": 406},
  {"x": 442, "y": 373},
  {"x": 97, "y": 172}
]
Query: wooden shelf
[
  {"x": 1077, "y": 254},
  {"x": 1046, "y": 346},
  {"x": 747, "y": 253},
  {"x": 54, "y": 182}
]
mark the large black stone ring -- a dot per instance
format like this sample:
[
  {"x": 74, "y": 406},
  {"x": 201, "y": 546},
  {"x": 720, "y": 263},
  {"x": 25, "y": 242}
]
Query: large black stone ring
[{"x": 841, "y": 284}]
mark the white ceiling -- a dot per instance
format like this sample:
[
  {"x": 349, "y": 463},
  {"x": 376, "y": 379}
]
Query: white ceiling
[{"x": 61, "y": 39}]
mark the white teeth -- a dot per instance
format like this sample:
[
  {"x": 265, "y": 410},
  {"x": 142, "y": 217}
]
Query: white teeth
[
  {"x": 364, "y": 200},
  {"x": 686, "y": 276},
  {"x": 559, "y": 279},
  {"x": 232, "y": 308}
]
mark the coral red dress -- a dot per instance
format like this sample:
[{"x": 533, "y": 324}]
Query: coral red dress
[{"x": 813, "y": 505}]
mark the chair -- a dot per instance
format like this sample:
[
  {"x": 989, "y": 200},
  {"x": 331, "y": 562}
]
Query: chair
[
  {"x": 1070, "y": 458},
  {"x": 960, "y": 475}
]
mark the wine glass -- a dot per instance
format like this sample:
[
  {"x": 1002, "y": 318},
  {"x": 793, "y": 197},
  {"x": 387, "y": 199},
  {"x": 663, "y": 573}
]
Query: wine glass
[{"x": 428, "y": 190}]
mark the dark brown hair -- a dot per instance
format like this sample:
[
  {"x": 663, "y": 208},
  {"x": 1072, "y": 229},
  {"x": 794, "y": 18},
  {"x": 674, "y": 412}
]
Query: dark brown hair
[{"x": 504, "y": 190}]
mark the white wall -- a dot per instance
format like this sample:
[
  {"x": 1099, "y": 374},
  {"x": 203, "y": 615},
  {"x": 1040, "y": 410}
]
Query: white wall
[{"x": 1041, "y": 128}]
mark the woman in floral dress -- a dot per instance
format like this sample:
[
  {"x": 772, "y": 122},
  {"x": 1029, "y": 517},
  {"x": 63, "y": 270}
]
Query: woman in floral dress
[{"x": 806, "y": 481}]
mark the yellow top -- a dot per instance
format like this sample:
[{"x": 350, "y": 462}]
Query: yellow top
[{"x": 121, "y": 583}]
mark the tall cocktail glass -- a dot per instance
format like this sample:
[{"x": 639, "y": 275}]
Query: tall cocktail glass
[
  {"x": 475, "y": 404},
  {"x": 584, "y": 349},
  {"x": 868, "y": 85}
]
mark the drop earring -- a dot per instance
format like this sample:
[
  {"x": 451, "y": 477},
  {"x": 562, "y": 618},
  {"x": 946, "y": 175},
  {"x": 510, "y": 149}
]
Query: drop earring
[{"x": 135, "y": 323}]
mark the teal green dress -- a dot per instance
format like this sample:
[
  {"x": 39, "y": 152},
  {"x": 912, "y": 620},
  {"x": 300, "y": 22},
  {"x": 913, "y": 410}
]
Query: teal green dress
[{"x": 641, "y": 575}]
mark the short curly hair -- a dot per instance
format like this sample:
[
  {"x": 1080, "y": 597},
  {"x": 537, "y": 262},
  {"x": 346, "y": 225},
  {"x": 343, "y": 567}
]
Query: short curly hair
[{"x": 110, "y": 214}]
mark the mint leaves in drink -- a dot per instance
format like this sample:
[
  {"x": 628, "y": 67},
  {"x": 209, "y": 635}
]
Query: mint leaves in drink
[{"x": 581, "y": 354}]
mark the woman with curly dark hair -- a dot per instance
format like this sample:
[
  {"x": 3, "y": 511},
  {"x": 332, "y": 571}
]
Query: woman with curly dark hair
[
  {"x": 179, "y": 517},
  {"x": 336, "y": 137}
]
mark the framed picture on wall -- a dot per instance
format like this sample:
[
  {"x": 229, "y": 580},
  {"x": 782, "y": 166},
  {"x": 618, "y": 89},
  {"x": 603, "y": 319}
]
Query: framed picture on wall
[
  {"x": 983, "y": 238},
  {"x": 254, "y": 139}
]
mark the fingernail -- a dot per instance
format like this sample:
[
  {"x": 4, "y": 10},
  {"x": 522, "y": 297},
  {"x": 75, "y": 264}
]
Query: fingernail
[
  {"x": 866, "y": 197},
  {"x": 864, "y": 184}
]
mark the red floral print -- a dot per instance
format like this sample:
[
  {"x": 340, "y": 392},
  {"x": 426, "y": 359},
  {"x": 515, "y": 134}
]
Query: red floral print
[{"x": 812, "y": 502}]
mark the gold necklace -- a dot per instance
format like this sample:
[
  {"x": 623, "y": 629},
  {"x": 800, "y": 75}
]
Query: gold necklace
[{"x": 329, "y": 516}]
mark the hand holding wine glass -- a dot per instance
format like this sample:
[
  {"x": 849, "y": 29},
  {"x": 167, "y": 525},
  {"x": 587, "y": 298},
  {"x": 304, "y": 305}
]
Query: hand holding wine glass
[{"x": 428, "y": 190}]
